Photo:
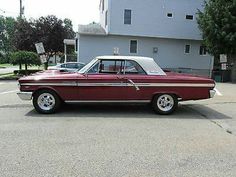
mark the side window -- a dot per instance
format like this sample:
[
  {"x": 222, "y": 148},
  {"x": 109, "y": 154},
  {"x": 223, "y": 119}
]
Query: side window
[
  {"x": 94, "y": 69},
  {"x": 108, "y": 67},
  {"x": 132, "y": 67},
  {"x": 111, "y": 66}
]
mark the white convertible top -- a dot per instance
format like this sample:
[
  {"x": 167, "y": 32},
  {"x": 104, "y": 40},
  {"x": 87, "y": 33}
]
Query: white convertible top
[{"x": 148, "y": 64}]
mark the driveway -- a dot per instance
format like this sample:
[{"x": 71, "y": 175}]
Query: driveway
[{"x": 114, "y": 140}]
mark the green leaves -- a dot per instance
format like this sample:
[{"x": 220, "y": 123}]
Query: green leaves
[
  {"x": 218, "y": 25},
  {"x": 25, "y": 57}
]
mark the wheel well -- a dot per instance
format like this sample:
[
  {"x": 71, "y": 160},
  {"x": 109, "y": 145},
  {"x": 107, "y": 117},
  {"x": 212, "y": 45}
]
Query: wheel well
[
  {"x": 40, "y": 89},
  {"x": 177, "y": 96}
]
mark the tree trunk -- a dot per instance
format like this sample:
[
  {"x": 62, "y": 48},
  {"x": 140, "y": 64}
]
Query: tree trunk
[
  {"x": 46, "y": 65},
  {"x": 20, "y": 66},
  {"x": 26, "y": 68}
]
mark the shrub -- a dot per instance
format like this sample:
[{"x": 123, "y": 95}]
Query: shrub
[{"x": 25, "y": 58}]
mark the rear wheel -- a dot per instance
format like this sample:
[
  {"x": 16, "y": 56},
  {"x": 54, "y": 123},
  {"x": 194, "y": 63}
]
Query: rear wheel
[
  {"x": 46, "y": 101},
  {"x": 165, "y": 104}
]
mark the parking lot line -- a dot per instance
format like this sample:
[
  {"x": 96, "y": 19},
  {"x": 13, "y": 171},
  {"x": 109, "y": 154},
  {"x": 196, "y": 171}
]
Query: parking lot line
[
  {"x": 218, "y": 92},
  {"x": 7, "y": 92}
]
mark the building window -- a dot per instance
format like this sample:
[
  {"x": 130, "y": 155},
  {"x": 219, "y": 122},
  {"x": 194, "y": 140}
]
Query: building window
[
  {"x": 187, "y": 49},
  {"x": 169, "y": 15},
  {"x": 202, "y": 50},
  {"x": 133, "y": 46},
  {"x": 106, "y": 18},
  {"x": 189, "y": 17},
  {"x": 127, "y": 17}
]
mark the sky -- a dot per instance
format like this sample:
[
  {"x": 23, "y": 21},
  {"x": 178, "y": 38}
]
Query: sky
[{"x": 79, "y": 11}]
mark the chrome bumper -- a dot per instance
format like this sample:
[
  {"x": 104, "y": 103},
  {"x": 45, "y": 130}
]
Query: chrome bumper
[
  {"x": 25, "y": 95},
  {"x": 212, "y": 93}
]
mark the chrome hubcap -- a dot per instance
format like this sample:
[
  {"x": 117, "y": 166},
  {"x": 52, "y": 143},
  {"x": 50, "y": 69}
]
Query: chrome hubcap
[
  {"x": 165, "y": 103},
  {"x": 46, "y": 101}
]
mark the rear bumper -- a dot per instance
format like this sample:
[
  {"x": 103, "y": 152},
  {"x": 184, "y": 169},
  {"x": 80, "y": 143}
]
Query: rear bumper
[
  {"x": 212, "y": 93},
  {"x": 25, "y": 95}
]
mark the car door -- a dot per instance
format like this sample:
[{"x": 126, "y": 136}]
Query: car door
[
  {"x": 103, "y": 82},
  {"x": 137, "y": 80}
]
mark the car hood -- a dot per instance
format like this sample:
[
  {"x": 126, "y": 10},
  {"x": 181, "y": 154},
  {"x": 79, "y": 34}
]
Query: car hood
[{"x": 50, "y": 74}]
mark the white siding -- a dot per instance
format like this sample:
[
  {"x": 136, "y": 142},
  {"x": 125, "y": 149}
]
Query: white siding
[
  {"x": 170, "y": 51},
  {"x": 149, "y": 18}
]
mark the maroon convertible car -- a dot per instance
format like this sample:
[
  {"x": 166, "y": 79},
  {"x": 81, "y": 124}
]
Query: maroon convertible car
[{"x": 114, "y": 79}]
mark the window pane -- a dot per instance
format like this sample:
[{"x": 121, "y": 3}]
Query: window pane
[
  {"x": 112, "y": 66},
  {"x": 187, "y": 49},
  {"x": 133, "y": 46},
  {"x": 202, "y": 50},
  {"x": 127, "y": 17},
  {"x": 169, "y": 15},
  {"x": 94, "y": 69},
  {"x": 132, "y": 67},
  {"x": 189, "y": 17}
]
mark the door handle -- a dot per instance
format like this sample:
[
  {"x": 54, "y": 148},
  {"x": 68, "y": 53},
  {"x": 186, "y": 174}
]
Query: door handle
[{"x": 132, "y": 83}]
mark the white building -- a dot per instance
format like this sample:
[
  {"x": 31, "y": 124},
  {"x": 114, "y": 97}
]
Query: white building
[{"x": 165, "y": 30}]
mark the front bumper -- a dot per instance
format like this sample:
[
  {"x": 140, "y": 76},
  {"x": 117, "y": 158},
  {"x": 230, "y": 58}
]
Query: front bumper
[
  {"x": 212, "y": 93},
  {"x": 25, "y": 95}
]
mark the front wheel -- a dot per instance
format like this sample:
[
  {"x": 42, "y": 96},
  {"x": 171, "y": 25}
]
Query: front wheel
[
  {"x": 46, "y": 101},
  {"x": 165, "y": 104}
]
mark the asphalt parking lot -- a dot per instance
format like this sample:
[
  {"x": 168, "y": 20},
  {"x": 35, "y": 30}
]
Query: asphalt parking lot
[{"x": 115, "y": 140}]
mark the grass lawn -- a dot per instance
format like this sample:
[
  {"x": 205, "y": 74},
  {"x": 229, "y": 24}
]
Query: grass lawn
[
  {"x": 8, "y": 76},
  {"x": 6, "y": 65},
  {"x": 17, "y": 66},
  {"x": 5, "y": 74}
]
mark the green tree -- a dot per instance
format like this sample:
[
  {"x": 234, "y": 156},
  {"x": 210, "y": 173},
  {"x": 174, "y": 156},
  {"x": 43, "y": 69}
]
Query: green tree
[
  {"x": 218, "y": 25},
  {"x": 49, "y": 30},
  {"x": 25, "y": 35},
  {"x": 7, "y": 29},
  {"x": 25, "y": 58}
]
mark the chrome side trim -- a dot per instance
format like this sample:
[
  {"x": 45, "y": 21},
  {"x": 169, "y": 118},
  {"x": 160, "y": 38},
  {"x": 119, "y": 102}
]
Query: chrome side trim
[
  {"x": 108, "y": 101},
  {"x": 120, "y": 84},
  {"x": 25, "y": 95},
  {"x": 50, "y": 84},
  {"x": 212, "y": 93},
  {"x": 173, "y": 85}
]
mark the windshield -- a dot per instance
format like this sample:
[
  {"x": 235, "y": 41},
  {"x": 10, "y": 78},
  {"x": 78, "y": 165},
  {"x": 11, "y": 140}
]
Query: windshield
[{"x": 86, "y": 67}]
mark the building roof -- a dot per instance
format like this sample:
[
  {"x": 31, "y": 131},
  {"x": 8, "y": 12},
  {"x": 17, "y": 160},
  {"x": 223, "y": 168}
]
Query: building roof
[{"x": 92, "y": 29}]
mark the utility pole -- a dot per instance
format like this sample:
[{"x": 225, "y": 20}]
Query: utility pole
[{"x": 21, "y": 9}]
